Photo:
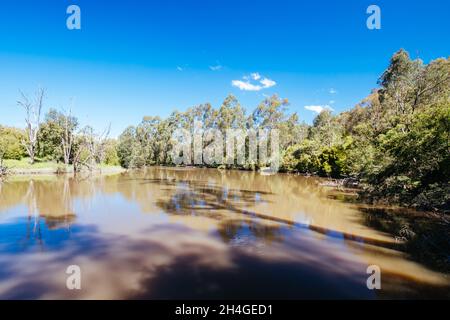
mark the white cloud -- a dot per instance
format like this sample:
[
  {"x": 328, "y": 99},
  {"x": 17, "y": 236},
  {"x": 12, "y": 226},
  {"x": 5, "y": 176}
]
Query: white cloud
[
  {"x": 255, "y": 76},
  {"x": 216, "y": 67},
  {"x": 267, "y": 83},
  {"x": 179, "y": 68},
  {"x": 332, "y": 102},
  {"x": 333, "y": 91},
  {"x": 318, "y": 109},
  {"x": 247, "y": 85}
]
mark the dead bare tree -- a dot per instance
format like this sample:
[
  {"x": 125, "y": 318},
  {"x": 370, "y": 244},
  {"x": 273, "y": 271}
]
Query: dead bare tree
[
  {"x": 33, "y": 109},
  {"x": 77, "y": 156},
  {"x": 90, "y": 149},
  {"x": 102, "y": 141},
  {"x": 67, "y": 138}
]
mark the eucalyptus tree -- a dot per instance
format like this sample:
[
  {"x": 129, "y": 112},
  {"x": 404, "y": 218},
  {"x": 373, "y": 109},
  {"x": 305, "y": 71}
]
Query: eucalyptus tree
[{"x": 56, "y": 135}]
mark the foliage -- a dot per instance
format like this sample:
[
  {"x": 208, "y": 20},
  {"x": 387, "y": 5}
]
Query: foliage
[
  {"x": 409, "y": 149},
  {"x": 127, "y": 148},
  {"x": 11, "y": 146},
  {"x": 419, "y": 164},
  {"x": 51, "y": 133},
  {"x": 111, "y": 157},
  {"x": 396, "y": 140},
  {"x": 90, "y": 149}
]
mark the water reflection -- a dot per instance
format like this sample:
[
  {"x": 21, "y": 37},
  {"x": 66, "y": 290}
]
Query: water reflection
[
  {"x": 425, "y": 235},
  {"x": 198, "y": 233}
]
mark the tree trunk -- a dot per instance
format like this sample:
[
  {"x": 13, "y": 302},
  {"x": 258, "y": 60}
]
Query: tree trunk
[{"x": 32, "y": 157}]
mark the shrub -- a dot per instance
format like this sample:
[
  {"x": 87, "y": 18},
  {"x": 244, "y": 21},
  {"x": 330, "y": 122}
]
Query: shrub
[{"x": 11, "y": 143}]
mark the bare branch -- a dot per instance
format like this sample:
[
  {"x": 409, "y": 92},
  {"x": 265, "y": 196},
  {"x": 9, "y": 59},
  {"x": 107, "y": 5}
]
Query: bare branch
[{"x": 33, "y": 111}]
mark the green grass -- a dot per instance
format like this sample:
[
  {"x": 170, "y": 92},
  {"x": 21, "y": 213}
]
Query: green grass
[
  {"x": 25, "y": 164},
  {"x": 104, "y": 165}
]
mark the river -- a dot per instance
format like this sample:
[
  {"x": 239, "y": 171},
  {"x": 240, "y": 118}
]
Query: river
[{"x": 169, "y": 233}]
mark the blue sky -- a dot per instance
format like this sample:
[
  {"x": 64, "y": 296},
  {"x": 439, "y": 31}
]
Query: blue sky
[{"x": 136, "y": 58}]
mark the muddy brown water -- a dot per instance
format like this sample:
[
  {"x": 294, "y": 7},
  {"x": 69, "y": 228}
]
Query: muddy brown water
[{"x": 167, "y": 233}]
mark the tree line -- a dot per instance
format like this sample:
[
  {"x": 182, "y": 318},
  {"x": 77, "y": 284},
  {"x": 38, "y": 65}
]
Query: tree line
[
  {"x": 58, "y": 137},
  {"x": 395, "y": 141}
]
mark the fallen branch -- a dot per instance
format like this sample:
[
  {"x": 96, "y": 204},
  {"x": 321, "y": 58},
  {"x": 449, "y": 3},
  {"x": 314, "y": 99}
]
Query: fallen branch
[{"x": 4, "y": 170}]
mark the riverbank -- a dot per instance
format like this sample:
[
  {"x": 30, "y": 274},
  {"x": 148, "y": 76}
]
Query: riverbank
[
  {"x": 360, "y": 191},
  {"x": 23, "y": 167}
]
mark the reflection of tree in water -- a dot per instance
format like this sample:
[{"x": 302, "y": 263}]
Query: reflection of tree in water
[
  {"x": 239, "y": 230},
  {"x": 425, "y": 235},
  {"x": 219, "y": 202},
  {"x": 196, "y": 198},
  {"x": 283, "y": 195},
  {"x": 247, "y": 181},
  {"x": 33, "y": 225},
  {"x": 44, "y": 207},
  {"x": 225, "y": 199}
]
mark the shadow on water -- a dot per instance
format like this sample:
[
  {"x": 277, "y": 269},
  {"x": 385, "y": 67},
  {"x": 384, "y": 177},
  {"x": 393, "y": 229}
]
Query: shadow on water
[
  {"x": 211, "y": 201},
  {"x": 133, "y": 269},
  {"x": 245, "y": 254},
  {"x": 255, "y": 278},
  {"x": 425, "y": 236},
  {"x": 167, "y": 268},
  {"x": 250, "y": 278}
]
